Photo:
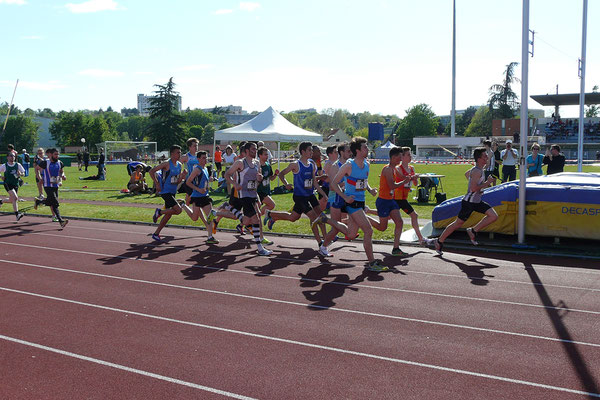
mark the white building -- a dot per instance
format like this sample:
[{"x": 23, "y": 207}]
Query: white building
[
  {"x": 143, "y": 104},
  {"x": 230, "y": 109}
]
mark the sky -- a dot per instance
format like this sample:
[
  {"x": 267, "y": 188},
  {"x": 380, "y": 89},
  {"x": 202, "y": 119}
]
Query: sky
[{"x": 361, "y": 55}]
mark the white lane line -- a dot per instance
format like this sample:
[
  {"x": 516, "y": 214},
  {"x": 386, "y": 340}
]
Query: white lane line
[
  {"x": 545, "y": 267},
  {"x": 315, "y": 346},
  {"x": 125, "y": 368},
  {"x": 462, "y": 257},
  {"x": 294, "y": 303},
  {"x": 417, "y": 292}
]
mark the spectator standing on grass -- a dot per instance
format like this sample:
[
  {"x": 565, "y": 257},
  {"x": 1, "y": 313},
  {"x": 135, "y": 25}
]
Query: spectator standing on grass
[
  {"x": 554, "y": 159},
  {"x": 101, "y": 169},
  {"x": 497, "y": 161},
  {"x": 86, "y": 159},
  {"x": 535, "y": 161},
  {"x": 79, "y": 159},
  {"x": 510, "y": 158}
]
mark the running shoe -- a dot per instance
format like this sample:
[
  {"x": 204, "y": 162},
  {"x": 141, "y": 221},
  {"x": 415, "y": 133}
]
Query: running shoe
[
  {"x": 267, "y": 217},
  {"x": 214, "y": 226},
  {"x": 399, "y": 253},
  {"x": 211, "y": 216},
  {"x": 240, "y": 229},
  {"x": 248, "y": 229},
  {"x": 320, "y": 219},
  {"x": 472, "y": 236},
  {"x": 36, "y": 203},
  {"x": 266, "y": 241},
  {"x": 270, "y": 223},
  {"x": 324, "y": 252},
  {"x": 212, "y": 240},
  {"x": 156, "y": 215},
  {"x": 376, "y": 266},
  {"x": 63, "y": 223},
  {"x": 156, "y": 238},
  {"x": 54, "y": 219},
  {"x": 19, "y": 216},
  {"x": 439, "y": 246},
  {"x": 264, "y": 252}
]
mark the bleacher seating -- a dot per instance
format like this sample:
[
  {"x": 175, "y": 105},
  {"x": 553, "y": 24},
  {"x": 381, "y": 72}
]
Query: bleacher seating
[{"x": 568, "y": 130}]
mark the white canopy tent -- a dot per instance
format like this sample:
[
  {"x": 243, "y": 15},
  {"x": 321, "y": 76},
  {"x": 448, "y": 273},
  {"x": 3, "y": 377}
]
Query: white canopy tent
[
  {"x": 383, "y": 152},
  {"x": 268, "y": 126}
]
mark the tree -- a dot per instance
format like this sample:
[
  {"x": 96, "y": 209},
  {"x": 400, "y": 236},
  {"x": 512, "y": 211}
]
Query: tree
[
  {"x": 69, "y": 127},
  {"x": 293, "y": 118},
  {"x": 420, "y": 120},
  {"x": 481, "y": 123},
  {"x": 503, "y": 100},
  {"x": 21, "y": 131},
  {"x": 166, "y": 123},
  {"x": 46, "y": 113},
  {"x": 128, "y": 112},
  {"x": 365, "y": 117},
  {"x": 208, "y": 135},
  {"x": 135, "y": 127},
  {"x": 198, "y": 117},
  {"x": 593, "y": 110}
]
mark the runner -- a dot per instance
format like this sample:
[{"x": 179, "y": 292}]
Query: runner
[
  {"x": 249, "y": 177},
  {"x": 39, "y": 157},
  {"x": 52, "y": 177},
  {"x": 472, "y": 202},
  {"x": 387, "y": 207},
  {"x": 264, "y": 189},
  {"x": 356, "y": 172},
  {"x": 405, "y": 174},
  {"x": 172, "y": 175},
  {"x": 304, "y": 198},
  {"x": 332, "y": 157},
  {"x": 191, "y": 161},
  {"x": 199, "y": 181},
  {"x": 12, "y": 171}
]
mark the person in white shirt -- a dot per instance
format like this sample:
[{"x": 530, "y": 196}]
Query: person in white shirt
[{"x": 510, "y": 158}]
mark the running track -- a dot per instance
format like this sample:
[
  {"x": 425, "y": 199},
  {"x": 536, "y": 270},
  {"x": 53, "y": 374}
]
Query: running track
[{"x": 97, "y": 311}]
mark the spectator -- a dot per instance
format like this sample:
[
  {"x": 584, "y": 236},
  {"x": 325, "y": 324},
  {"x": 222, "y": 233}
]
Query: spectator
[
  {"x": 218, "y": 159},
  {"x": 497, "y": 160},
  {"x": 535, "y": 161},
  {"x": 79, "y": 159},
  {"x": 26, "y": 160},
  {"x": 137, "y": 183},
  {"x": 554, "y": 159},
  {"x": 86, "y": 159},
  {"x": 509, "y": 158}
]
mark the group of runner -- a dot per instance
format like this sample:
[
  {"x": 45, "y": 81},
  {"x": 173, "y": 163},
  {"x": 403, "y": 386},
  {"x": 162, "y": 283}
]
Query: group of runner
[{"x": 341, "y": 185}]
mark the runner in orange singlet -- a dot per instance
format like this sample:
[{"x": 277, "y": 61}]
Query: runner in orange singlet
[{"x": 405, "y": 174}]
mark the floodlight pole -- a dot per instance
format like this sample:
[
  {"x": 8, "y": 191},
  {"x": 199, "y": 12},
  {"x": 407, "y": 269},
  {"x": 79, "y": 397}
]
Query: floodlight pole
[
  {"x": 582, "y": 90},
  {"x": 453, "y": 112},
  {"x": 524, "y": 122}
]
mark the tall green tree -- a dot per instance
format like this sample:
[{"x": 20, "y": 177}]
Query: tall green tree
[
  {"x": 208, "y": 135},
  {"x": 21, "y": 131},
  {"x": 481, "y": 123},
  {"x": 69, "y": 128},
  {"x": 134, "y": 126},
  {"x": 198, "y": 117},
  {"x": 166, "y": 126},
  {"x": 503, "y": 101},
  {"x": 420, "y": 120}
]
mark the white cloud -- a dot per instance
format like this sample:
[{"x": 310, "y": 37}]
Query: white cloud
[
  {"x": 248, "y": 6},
  {"x": 91, "y": 6},
  {"x": 143, "y": 73},
  {"x": 101, "y": 73},
  {"x": 44, "y": 86},
  {"x": 32, "y": 37},
  {"x": 196, "y": 67},
  {"x": 223, "y": 11},
  {"x": 17, "y": 2}
]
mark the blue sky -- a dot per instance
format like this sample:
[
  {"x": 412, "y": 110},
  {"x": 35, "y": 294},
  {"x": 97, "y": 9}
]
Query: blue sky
[{"x": 378, "y": 56}]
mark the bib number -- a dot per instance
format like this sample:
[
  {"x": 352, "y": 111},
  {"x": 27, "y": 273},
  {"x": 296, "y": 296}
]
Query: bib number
[
  {"x": 265, "y": 182},
  {"x": 251, "y": 185},
  {"x": 308, "y": 183},
  {"x": 361, "y": 184},
  {"x": 174, "y": 180},
  {"x": 53, "y": 179}
]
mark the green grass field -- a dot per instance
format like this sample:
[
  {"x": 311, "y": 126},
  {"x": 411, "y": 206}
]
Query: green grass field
[{"x": 454, "y": 184}]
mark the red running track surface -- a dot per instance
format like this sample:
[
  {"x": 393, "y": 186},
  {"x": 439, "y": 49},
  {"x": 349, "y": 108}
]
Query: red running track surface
[{"x": 99, "y": 311}]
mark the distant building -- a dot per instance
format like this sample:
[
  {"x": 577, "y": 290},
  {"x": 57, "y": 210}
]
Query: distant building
[
  {"x": 305, "y": 111},
  {"x": 236, "y": 119},
  {"x": 143, "y": 104},
  {"x": 336, "y": 136},
  {"x": 230, "y": 109}
]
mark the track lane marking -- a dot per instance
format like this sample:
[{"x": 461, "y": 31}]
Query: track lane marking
[
  {"x": 310, "y": 280},
  {"x": 125, "y": 368},
  {"x": 294, "y": 303},
  {"x": 314, "y": 346}
]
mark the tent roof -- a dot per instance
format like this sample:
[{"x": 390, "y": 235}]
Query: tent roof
[
  {"x": 268, "y": 126},
  {"x": 387, "y": 145},
  {"x": 571, "y": 99}
]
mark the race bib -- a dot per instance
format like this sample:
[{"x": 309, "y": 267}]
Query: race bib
[
  {"x": 308, "y": 183},
  {"x": 251, "y": 185},
  {"x": 174, "y": 179},
  {"x": 361, "y": 184},
  {"x": 53, "y": 179},
  {"x": 265, "y": 182}
]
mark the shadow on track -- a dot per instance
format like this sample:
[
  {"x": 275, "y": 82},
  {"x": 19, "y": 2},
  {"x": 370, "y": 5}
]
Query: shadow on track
[
  {"x": 207, "y": 261},
  {"x": 583, "y": 373},
  {"x": 475, "y": 273},
  {"x": 146, "y": 251}
]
